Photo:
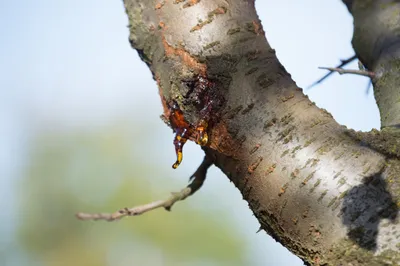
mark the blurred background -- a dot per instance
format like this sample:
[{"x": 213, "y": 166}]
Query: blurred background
[{"x": 80, "y": 131}]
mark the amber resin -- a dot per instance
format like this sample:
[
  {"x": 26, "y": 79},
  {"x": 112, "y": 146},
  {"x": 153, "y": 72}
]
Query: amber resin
[{"x": 184, "y": 131}]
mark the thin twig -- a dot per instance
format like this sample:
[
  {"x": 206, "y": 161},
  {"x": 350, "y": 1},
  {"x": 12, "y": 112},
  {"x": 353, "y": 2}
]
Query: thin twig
[
  {"x": 344, "y": 62},
  {"x": 342, "y": 71},
  {"x": 197, "y": 180}
]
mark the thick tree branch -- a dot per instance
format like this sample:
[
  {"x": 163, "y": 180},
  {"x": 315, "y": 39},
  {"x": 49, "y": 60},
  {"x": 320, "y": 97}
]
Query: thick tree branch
[
  {"x": 197, "y": 180},
  {"x": 317, "y": 189}
]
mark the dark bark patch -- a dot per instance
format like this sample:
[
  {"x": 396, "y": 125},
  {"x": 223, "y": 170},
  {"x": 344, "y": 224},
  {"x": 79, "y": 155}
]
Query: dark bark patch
[{"x": 364, "y": 206}]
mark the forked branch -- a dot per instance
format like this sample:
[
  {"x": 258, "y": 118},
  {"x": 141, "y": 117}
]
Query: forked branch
[{"x": 197, "y": 180}]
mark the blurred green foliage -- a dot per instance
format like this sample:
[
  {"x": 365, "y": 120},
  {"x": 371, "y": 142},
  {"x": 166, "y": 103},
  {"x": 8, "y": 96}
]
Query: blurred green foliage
[{"x": 104, "y": 170}]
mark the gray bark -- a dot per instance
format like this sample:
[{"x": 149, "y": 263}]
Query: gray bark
[{"x": 328, "y": 194}]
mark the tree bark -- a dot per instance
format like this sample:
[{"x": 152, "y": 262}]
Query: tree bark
[
  {"x": 376, "y": 40},
  {"x": 329, "y": 194}
]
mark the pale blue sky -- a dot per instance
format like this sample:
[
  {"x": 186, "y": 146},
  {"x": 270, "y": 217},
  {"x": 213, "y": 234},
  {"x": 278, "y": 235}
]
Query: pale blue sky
[{"x": 69, "y": 65}]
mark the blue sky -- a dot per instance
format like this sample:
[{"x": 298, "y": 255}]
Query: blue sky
[{"x": 68, "y": 64}]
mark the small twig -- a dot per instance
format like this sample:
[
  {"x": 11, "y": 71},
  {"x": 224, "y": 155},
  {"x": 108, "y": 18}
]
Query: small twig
[
  {"x": 197, "y": 180},
  {"x": 344, "y": 62},
  {"x": 342, "y": 71}
]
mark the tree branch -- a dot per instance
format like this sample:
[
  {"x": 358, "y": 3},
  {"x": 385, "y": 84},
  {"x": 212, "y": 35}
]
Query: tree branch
[
  {"x": 344, "y": 62},
  {"x": 298, "y": 169},
  {"x": 376, "y": 43},
  {"x": 197, "y": 180},
  {"x": 342, "y": 71}
]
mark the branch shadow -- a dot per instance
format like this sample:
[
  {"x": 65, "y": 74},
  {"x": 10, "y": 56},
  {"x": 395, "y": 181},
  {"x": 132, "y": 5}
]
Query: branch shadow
[{"x": 364, "y": 206}]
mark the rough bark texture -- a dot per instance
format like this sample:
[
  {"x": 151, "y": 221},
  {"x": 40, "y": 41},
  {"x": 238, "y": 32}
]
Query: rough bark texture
[{"x": 329, "y": 194}]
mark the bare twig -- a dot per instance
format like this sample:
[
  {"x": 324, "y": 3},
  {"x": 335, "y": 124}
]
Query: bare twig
[
  {"x": 344, "y": 62},
  {"x": 342, "y": 71},
  {"x": 197, "y": 180}
]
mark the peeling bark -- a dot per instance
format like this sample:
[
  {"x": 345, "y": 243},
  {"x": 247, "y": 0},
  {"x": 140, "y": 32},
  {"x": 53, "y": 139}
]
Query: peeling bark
[{"x": 328, "y": 194}]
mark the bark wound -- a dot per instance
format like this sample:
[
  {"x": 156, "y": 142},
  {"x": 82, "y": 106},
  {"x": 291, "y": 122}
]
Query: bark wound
[{"x": 204, "y": 96}]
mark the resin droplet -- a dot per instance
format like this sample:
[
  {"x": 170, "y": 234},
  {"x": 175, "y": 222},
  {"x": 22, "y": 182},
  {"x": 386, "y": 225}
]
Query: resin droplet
[
  {"x": 185, "y": 131},
  {"x": 202, "y": 138},
  {"x": 181, "y": 129},
  {"x": 179, "y": 141}
]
